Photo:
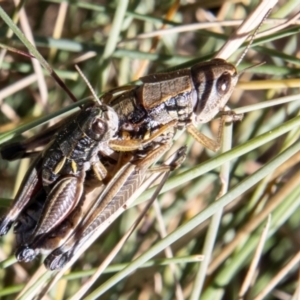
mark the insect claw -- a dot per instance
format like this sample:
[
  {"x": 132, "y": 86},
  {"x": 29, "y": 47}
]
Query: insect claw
[
  {"x": 25, "y": 254},
  {"x": 181, "y": 156},
  {"x": 237, "y": 117},
  {"x": 231, "y": 116},
  {"x": 56, "y": 260}
]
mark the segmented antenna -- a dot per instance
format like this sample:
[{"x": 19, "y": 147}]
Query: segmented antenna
[
  {"x": 251, "y": 67},
  {"x": 88, "y": 84},
  {"x": 252, "y": 38}
]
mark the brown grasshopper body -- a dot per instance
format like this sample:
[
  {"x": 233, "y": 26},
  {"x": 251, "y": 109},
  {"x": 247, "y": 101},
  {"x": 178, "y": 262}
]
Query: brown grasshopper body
[
  {"x": 149, "y": 115},
  {"x": 179, "y": 99},
  {"x": 60, "y": 170}
]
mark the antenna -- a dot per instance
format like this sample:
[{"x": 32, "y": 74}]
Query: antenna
[
  {"x": 251, "y": 67},
  {"x": 88, "y": 84},
  {"x": 252, "y": 38}
]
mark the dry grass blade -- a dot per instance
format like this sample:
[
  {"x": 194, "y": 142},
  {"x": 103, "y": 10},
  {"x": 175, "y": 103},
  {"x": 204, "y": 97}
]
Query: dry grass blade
[
  {"x": 36, "y": 65},
  {"x": 292, "y": 264},
  {"x": 253, "y": 267},
  {"x": 252, "y": 22}
]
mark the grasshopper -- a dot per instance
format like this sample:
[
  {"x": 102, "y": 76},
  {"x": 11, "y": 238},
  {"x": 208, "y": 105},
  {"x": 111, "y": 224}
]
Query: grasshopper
[
  {"x": 149, "y": 116},
  {"x": 170, "y": 101},
  {"x": 60, "y": 171}
]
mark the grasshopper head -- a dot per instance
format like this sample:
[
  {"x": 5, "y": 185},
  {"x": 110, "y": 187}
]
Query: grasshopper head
[
  {"x": 99, "y": 122},
  {"x": 214, "y": 82}
]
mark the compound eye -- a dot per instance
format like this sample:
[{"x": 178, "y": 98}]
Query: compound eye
[
  {"x": 99, "y": 127},
  {"x": 223, "y": 83}
]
